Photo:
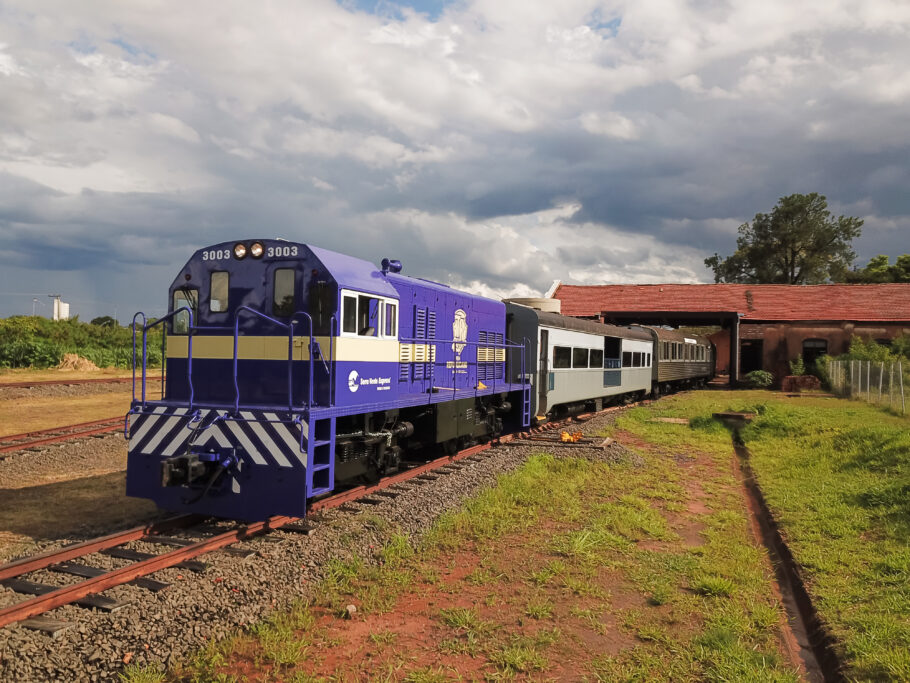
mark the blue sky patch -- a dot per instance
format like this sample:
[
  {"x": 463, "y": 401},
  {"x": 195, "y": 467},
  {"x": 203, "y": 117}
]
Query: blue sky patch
[{"x": 387, "y": 8}]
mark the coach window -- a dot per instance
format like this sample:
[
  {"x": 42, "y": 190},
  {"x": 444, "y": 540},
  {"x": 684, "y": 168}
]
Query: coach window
[
  {"x": 184, "y": 298},
  {"x": 647, "y": 360},
  {"x": 579, "y": 358},
  {"x": 627, "y": 359},
  {"x": 283, "y": 303},
  {"x": 218, "y": 291},
  {"x": 636, "y": 359},
  {"x": 597, "y": 358},
  {"x": 562, "y": 357}
]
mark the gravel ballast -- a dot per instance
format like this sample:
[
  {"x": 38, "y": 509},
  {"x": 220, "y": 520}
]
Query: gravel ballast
[{"x": 163, "y": 628}]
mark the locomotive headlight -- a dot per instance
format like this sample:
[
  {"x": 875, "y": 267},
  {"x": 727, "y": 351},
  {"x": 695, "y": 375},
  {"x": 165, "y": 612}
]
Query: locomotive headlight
[
  {"x": 256, "y": 250},
  {"x": 239, "y": 251}
]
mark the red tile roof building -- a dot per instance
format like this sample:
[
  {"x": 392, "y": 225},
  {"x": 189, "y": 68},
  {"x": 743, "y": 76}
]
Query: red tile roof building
[{"x": 771, "y": 324}]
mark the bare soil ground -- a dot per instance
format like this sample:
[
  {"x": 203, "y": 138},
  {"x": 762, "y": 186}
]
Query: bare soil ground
[
  {"x": 54, "y": 375},
  {"x": 67, "y": 488},
  {"x": 550, "y": 601}
]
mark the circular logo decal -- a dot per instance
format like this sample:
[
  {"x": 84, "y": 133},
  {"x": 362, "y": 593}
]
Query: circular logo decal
[{"x": 353, "y": 381}]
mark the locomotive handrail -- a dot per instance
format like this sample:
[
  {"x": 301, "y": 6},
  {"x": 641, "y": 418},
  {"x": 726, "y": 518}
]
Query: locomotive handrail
[
  {"x": 189, "y": 353},
  {"x": 290, "y": 329},
  {"x": 133, "y": 327}
]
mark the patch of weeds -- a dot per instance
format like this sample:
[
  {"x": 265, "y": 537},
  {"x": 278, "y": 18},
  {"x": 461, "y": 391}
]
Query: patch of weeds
[
  {"x": 375, "y": 521},
  {"x": 464, "y": 619},
  {"x": 482, "y": 577},
  {"x": 543, "y": 576},
  {"x": 660, "y": 595},
  {"x": 279, "y": 643},
  {"x": 383, "y": 637},
  {"x": 518, "y": 657},
  {"x": 136, "y": 673},
  {"x": 651, "y": 632},
  {"x": 427, "y": 675},
  {"x": 398, "y": 551},
  {"x": 461, "y": 646},
  {"x": 539, "y": 609},
  {"x": 714, "y": 586}
]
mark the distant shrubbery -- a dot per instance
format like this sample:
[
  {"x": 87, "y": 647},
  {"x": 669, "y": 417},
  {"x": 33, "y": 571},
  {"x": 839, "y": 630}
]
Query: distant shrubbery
[
  {"x": 30, "y": 341},
  {"x": 759, "y": 379},
  {"x": 869, "y": 350}
]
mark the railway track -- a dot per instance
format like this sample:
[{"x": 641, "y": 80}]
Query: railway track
[
  {"x": 70, "y": 382},
  {"x": 88, "y": 592},
  {"x": 44, "y": 437}
]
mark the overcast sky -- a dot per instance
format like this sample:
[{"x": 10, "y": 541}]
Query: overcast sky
[{"x": 495, "y": 145}]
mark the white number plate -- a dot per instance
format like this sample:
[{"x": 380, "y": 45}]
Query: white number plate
[{"x": 281, "y": 251}]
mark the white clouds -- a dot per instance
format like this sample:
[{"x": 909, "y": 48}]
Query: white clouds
[{"x": 646, "y": 123}]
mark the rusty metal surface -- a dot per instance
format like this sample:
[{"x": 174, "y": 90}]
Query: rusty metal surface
[
  {"x": 70, "y": 552},
  {"x": 16, "y": 442}
]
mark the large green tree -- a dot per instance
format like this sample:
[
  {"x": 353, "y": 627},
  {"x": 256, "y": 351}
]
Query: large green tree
[
  {"x": 799, "y": 242},
  {"x": 881, "y": 270}
]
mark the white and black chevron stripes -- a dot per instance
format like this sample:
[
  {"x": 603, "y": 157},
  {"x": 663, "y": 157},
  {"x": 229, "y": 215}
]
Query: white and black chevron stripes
[{"x": 261, "y": 436}]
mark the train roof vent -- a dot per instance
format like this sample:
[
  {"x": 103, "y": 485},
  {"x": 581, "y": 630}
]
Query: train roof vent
[{"x": 545, "y": 305}]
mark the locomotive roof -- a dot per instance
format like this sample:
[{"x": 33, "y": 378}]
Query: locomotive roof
[
  {"x": 354, "y": 273},
  {"x": 569, "y": 323}
]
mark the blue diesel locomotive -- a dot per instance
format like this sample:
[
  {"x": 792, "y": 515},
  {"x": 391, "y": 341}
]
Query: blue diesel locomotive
[{"x": 291, "y": 369}]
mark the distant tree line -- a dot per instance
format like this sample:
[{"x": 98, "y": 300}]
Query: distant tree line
[
  {"x": 800, "y": 242},
  {"x": 33, "y": 341}
]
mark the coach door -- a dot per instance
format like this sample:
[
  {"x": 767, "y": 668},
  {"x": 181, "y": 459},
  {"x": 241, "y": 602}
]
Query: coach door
[{"x": 543, "y": 379}]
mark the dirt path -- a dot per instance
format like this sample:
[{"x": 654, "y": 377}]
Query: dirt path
[{"x": 627, "y": 576}]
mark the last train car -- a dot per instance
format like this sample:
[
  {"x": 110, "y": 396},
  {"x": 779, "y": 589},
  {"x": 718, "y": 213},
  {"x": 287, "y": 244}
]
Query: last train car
[{"x": 291, "y": 369}]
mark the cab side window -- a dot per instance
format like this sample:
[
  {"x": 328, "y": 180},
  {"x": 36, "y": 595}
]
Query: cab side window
[{"x": 184, "y": 298}]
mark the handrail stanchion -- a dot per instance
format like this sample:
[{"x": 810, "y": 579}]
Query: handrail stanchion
[
  {"x": 290, "y": 360},
  {"x": 334, "y": 323},
  {"x": 133, "y": 327},
  {"x": 189, "y": 365}
]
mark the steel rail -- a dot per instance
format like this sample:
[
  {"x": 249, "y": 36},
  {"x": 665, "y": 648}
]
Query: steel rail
[
  {"x": 67, "y": 382},
  {"x": 35, "y": 562},
  {"x": 69, "y": 594},
  {"x": 62, "y": 433}
]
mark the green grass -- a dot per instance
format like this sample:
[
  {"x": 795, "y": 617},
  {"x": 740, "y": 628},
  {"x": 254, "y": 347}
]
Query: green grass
[
  {"x": 589, "y": 547},
  {"x": 836, "y": 475}
]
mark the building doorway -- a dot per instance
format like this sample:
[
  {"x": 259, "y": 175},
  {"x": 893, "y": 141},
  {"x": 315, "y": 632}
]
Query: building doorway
[
  {"x": 750, "y": 355},
  {"x": 812, "y": 349}
]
